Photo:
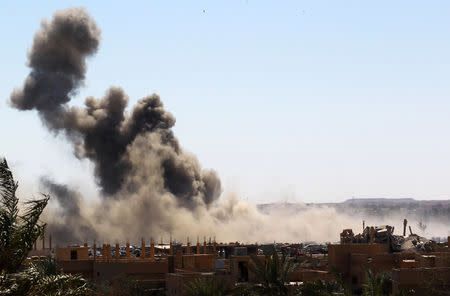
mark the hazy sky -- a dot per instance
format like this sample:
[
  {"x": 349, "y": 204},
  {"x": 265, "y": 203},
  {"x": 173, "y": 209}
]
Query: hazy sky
[{"x": 311, "y": 101}]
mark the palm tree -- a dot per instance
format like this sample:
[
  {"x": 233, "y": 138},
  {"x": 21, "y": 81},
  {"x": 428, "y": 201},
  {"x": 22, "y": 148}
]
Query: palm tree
[
  {"x": 377, "y": 285},
  {"x": 206, "y": 287},
  {"x": 121, "y": 285},
  {"x": 320, "y": 288},
  {"x": 338, "y": 286},
  {"x": 17, "y": 232},
  {"x": 272, "y": 273},
  {"x": 42, "y": 278}
]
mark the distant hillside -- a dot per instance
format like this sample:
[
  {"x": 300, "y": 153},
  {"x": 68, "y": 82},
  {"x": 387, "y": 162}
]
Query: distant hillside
[
  {"x": 364, "y": 200},
  {"x": 422, "y": 210},
  {"x": 429, "y": 218}
]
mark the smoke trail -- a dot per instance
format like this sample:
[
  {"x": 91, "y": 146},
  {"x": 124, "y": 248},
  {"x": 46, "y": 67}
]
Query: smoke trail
[{"x": 101, "y": 131}]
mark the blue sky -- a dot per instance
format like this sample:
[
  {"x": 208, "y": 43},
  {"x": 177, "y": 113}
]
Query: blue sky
[{"x": 314, "y": 101}]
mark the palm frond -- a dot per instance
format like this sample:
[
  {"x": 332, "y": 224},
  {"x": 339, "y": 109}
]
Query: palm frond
[
  {"x": 272, "y": 273},
  {"x": 8, "y": 189},
  {"x": 33, "y": 281},
  {"x": 206, "y": 287},
  {"x": 377, "y": 284},
  {"x": 8, "y": 210},
  {"x": 17, "y": 233}
]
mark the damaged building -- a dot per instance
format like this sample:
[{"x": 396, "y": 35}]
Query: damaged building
[
  {"x": 411, "y": 260},
  {"x": 414, "y": 262}
]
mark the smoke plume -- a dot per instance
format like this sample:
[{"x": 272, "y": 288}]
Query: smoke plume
[
  {"x": 58, "y": 62},
  {"x": 116, "y": 142},
  {"x": 102, "y": 131},
  {"x": 149, "y": 184}
]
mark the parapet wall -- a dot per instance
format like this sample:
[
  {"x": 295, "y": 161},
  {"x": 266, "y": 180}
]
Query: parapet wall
[
  {"x": 421, "y": 280},
  {"x": 84, "y": 267},
  {"x": 200, "y": 262},
  {"x": 108, "y": 270},
  {"x": 80, "y": 253},
  {"x": 339, "y": 255},
  {"x": 145, "y": 269}
]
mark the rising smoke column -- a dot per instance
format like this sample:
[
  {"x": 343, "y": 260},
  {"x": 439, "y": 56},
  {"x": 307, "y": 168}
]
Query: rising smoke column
[
  {"x": 150, "y": 185},
  {"x": 102, "y": 131}
]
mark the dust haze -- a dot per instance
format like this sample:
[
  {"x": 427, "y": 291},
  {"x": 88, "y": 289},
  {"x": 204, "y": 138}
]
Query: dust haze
[{"x": 150, "y": 186}]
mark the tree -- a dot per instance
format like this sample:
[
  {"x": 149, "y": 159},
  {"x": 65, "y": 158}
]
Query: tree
[
  {"x": 338, "y": 286},
  {"x": 206, "y": 287},
  {"x": 272, "y": 273},
  {"x": 121, "y": 285},
  {"x": 377, "y": 285},
  {"x": 320, "y": 288},
  {"x": 17, "y": 232},
  {"x": 42, "y": 278}
]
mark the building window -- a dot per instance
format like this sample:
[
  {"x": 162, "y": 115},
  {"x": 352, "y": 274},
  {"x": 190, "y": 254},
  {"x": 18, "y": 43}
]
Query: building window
[{"x": 73, "y": 255}]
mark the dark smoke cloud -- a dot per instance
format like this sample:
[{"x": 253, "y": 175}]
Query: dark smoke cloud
[
  {"x": 150, "y": 185},
  {"x": 71, "y": 225},
  {"x": 57, "y": 59},
  {"x": 102, "y": 131}
]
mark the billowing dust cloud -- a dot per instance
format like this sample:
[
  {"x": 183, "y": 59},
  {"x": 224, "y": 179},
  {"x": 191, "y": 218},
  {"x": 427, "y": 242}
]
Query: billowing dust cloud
[
  {"x": 149, "y": 185},
  {"x": 67, "y": 221},
  {"x": 102, "y": 131}
]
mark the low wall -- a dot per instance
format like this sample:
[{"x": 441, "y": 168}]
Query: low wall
[
  {"x": 144, "y": 269},
  {"x": 421, "y": 280}
]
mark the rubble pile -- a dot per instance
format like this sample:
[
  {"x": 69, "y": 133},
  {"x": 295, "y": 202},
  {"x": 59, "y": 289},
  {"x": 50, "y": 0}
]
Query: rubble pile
[{"x": 384, "y": 235}]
